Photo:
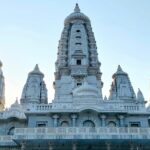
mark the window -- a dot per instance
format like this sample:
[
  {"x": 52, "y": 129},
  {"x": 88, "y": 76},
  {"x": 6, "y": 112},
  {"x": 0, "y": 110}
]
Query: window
[
  {"x": 41, "y": 124},
  {"x": 135, "y": 124},
  {"x": 78, "y": 37},
  {"x": 79, "y": 84},
  {"x": 78, "y": 61},
  {"x": 77, "y": 30},
  {"x": 78, "y": 44}
]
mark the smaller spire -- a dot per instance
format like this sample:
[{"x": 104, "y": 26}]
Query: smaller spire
[
  {"x": 36, "y": 68},
  {"x": 77, "y": 9},
  {"x": 16, "y": 102},
  {"x": 140, "y": 95},
  {"x": 119, "y": 69}
]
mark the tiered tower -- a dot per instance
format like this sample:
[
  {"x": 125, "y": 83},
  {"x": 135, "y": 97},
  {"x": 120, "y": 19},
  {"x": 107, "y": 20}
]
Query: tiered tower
[
  {"x": 78, "y": 72},
  {"x": 35, "y": 90},
  {"x": 121, "y": 88}
]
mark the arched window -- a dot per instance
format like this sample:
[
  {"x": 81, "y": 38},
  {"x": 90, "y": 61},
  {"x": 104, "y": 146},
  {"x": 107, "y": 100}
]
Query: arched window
[
  {"x": 11, "y": 131},
  {"x": 64, "y": 124},
  {"x": 88, "y": 123},
  {"x": 111, "y": 124}
]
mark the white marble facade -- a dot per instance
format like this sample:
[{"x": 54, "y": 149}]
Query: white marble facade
[{"x": 78, "y": 100}]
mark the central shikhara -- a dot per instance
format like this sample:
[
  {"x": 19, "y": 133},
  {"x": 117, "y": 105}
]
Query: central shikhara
[{"x": 79, "y": 113}]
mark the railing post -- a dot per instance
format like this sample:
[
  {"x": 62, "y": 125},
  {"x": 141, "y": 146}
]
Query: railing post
[
  {"x": 74, "y": 146},
  {"x": 131, "y": 146},
  {"x": 23, "y": 146},
  {"x": 121, "y": 120},
  {"x": 108, "y": 146},
  {"x": 103, "y": 118},
  {"x": 50, "y": 146},
  {"x": 55, "y": 117}
]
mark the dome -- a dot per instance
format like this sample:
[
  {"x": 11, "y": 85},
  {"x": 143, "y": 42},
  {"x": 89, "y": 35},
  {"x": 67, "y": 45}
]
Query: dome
[
  {"x": 16, "y": 111},
  {"x": 86, "y": 90},
  {"x": 76, "y": 15}
]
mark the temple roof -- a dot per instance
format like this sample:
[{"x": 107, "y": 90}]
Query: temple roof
[
  {"x": 119, "y": 72},
  {"x": 36, "y": 70},
  {"x": 76, "y": 15}
]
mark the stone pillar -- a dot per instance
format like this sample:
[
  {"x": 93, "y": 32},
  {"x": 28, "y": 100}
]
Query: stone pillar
[
  {"x": 103, "y": 118},
  {"x": 22, "y": 146},
  {"x": 55, "y": 117},
  {"x": 50, "y": 146},
  {"x": 74, "y": 118},
  {"x": 108, "y": 146},
  {"x": 74, "y": 146},
  {"x": 121, "y": 120},
  {"x": 131, "y": 146}
]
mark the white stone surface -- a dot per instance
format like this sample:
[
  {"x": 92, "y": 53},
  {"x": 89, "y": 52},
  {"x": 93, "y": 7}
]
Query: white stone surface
[
  {"x": 35, "y": 89},
  {"x": 2, "y": 88}
]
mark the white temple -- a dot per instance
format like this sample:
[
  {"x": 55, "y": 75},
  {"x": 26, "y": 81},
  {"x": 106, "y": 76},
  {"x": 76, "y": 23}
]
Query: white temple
[{"x": 79, "y": 117}]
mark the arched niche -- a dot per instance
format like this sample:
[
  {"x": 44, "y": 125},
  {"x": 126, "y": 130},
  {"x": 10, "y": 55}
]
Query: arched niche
[
  {"x": 88, "y": 123},
  {"x": 11, "y": 131},
  {"x": 112, "y": 124},
  {"x": 64, "y": 124}
]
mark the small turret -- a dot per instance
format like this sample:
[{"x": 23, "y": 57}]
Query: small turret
[
  {"x": 2, "y": 88},
  {"x": 121, "y": 87},
  {"x": 35, "y": 90}
]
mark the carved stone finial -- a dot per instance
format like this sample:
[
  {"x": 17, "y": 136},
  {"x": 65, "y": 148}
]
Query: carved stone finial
[
  {"x": 119, "y": 68},
  {"x": 77, "y": 9},
  {"x": 36, "y": 68}
]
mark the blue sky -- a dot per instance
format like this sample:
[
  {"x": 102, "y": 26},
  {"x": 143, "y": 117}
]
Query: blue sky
[{"x": 30, "y": 30}]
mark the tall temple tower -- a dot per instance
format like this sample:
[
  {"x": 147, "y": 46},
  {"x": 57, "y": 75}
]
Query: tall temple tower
[
  {"x": 2, "y": 88},
  {"x": 78, "y": 72}
]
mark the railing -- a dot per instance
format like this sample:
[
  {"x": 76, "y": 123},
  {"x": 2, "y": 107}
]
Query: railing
[
  {"x": 81, "y": 133},
  {"x": 6, "y": 140},
  {"x": 43, "y": 107},
  {"x": 106, "y": 106}
]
